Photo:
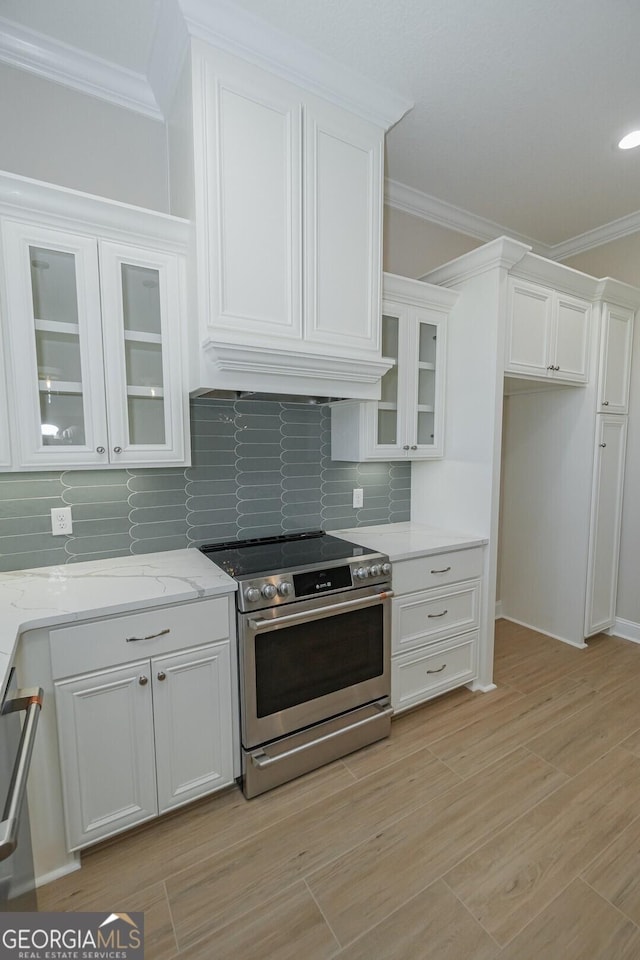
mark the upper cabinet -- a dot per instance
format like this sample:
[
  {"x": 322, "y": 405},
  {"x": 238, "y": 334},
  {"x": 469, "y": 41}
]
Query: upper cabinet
[
  {"x": 408, "y": 420},
  {"x": 615, "y": 359},
  {"x": 287, "y": 204},
  {"x": 94, "y": 338},
  {"x": 548, "y": 333}
]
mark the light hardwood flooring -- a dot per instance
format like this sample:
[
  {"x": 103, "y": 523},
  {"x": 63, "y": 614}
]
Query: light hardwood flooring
[{"x": 490, "y": 825}]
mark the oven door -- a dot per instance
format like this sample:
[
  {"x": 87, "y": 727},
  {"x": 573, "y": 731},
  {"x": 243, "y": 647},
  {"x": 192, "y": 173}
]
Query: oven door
[{"x": 310, "y": 660}]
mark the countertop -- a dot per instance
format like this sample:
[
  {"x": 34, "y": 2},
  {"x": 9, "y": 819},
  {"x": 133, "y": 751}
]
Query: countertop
[
  {"x": 45, "y": 596},
  {"x": 402, "y": 541}
]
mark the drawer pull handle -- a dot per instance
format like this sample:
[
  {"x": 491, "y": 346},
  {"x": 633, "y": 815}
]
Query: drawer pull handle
[
  {"x": 151, "y": 636},
  {"x": 444, "y": 570},
  {"x": 434, "y": 616},
  {"x": 439, "y": 670}
]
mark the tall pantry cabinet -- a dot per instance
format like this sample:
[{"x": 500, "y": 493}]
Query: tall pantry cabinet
[{"x": 537, "y": 403}]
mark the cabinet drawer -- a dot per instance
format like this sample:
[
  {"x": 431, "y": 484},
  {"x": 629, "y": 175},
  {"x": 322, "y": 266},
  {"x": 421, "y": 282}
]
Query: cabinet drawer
[
  {"x": 429, "y": 671},
  {"x": 102, "y": 643},
  {"x": 421, "y": 573},
  {"x": 434, "y": 614}
]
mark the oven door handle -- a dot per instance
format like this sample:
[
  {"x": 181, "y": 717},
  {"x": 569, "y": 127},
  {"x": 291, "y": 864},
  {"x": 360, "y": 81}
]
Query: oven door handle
[
  {"x": 31, "y": 701},
  {"x": 275, "y": 623},
  {"x": 262, "y": 760}
]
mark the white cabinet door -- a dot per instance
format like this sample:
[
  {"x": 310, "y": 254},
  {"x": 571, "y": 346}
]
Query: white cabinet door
[
  {"x": 606, "y": 512},
  {"x": 548, "y": 333},
  {"x": 142, "y": 349},
  {"x": 105, "y": 725},
  {"x": 253, "y": 169},
  {"x": 192, "y": 709},
  {"x": 342, "y": 229},
  {"x": 54, "y": 328},
  {"x": 528, "y": 340},
  {"x": 615, "y": 359},
  {"x": 424, "y": 365},
  {"x": 571, "y": 338}
]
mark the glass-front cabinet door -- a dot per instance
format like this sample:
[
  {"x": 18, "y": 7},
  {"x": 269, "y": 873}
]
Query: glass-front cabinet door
[
  {"x": 140, "y": 295},
  {"x": 54, "y": 329},
  {"x": 409, "y": 413}
]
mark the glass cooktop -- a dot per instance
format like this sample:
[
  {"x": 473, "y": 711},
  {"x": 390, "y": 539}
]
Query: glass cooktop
[{"x": 271, "y": 555}]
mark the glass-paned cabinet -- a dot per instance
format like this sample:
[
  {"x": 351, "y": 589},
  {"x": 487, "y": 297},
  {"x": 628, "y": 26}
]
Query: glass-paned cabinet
[
  {"x": 408, "y": 420},
  {"x": 95, "y": 366}
]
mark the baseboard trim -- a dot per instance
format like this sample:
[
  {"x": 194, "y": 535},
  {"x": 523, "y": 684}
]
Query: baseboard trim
[
  {"x": 58, "y": 873},
  {"x": 499, "y": 613},
  {"x": 554, "y": 636},
  {"x": 627, "y": 629},
  {"x": 477, "y": 687}
]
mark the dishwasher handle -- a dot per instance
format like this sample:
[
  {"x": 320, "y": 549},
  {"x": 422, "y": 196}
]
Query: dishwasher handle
[{"x": 31, "y": 701}]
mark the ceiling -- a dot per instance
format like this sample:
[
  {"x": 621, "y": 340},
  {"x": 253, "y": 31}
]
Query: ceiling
[{"x": 518, "y": 105}]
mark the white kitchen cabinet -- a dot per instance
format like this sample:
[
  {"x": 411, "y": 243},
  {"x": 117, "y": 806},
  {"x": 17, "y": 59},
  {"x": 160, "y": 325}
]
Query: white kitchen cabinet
[
  {"x": 548, "y": 333},
  {"x": 94, "y": 343},
  {"x": 615, "y": 359},
  {"x": 288, "y": 216},
  {"x": 140, "y": 737},
  {"x": 5, "y": 444},
  {"x": 606, "y": 513},
  {"x": 408, "y": 420},
  {"x": 434, "y": 631}
]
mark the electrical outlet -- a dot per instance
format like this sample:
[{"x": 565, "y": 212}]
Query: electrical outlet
[
  {"x": 358, "y": 497},
  {"x": 61, "y": 524}
]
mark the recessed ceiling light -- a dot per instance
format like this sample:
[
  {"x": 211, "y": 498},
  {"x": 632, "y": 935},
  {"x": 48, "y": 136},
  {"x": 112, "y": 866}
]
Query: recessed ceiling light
[{"x": 631, "y": 140}]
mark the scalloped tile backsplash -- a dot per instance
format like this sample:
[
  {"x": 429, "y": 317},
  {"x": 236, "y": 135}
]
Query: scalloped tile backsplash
[{"x": 259, "y": 467}]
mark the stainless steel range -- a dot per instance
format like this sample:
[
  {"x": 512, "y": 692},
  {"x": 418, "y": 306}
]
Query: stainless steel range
[{"x": 314, "y": 648}]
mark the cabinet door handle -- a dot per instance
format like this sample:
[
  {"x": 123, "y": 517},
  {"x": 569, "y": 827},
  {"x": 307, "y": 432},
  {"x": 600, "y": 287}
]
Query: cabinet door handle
[
  {"x": 414, "y": 446},
  {"x": 439, "y": 670},
  {"x": 603, "y": 444},
  {"x": 556, "y": 368},
  {"x": 162, "y": 675},
  {"x": 551, "y": 367},
  {"x": 406, "y": 446},
  {"x": 99, "y": 449},
  {"x": 444, "y": 570},
  {"x": 434, "y": 616},
  {"x": 605, "y": 403},
  {"x": 143, "y": 681},
  {"x": 152, "y": 636},
  {"x": 117, "y": 449}
]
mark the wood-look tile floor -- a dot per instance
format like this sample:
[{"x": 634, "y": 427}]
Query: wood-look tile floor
[{"x": 490, "y": 825}]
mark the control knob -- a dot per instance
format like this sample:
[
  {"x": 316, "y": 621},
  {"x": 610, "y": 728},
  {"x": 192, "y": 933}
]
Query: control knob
[
  {"x": 386, "y": 568},
  {"x": 252, "y": 594},
  {"x": 284, "y": 588},
  {"x": 362, "y": 573},
  {"x": 375, "y": 570},
  {"x": 269, "y": 591}
]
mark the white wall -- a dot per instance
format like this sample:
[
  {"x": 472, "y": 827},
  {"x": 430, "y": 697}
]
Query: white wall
[
  {"x": 621, "y": 259},
  {"x": 54, "y": 133}
]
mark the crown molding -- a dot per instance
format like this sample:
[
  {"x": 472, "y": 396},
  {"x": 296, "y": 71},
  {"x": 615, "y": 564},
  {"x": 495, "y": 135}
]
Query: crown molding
[
  {"x": 29, "y": 50},
  {"x": 429, "y": 208},
  {"x": 169, "y": 47},
  {"x": 505, "y": 252},
  {"x": 230, "y": 28},
  {"x": 68, "y": 209},
  {"x": 422, "y": 205},
  {"x": 598, "y": 237}
]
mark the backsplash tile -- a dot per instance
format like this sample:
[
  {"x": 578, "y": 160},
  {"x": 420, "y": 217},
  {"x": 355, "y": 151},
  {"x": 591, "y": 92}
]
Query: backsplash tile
[{"x": 259, "y": 468}]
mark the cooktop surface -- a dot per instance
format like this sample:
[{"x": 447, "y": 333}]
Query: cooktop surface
[{"x": 269, "y": 555}]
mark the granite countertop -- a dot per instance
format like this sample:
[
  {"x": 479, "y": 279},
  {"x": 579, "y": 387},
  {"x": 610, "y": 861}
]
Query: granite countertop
[
  {"x": 45, "y": 596},
  {"x": 402, "y": 541}
]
